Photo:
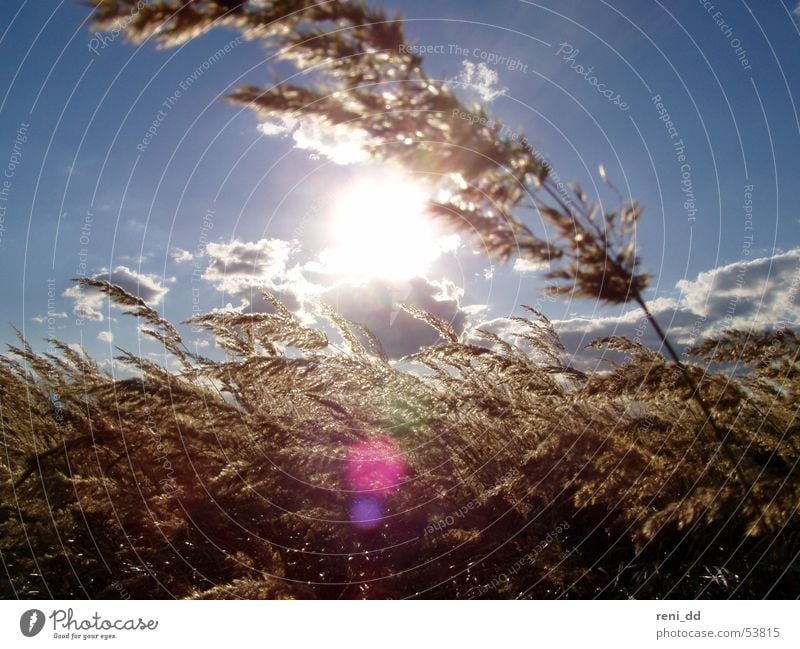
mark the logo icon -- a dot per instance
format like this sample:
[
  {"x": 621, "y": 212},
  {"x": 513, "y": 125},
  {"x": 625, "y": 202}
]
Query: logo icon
[{"x": 31, "y": 622}]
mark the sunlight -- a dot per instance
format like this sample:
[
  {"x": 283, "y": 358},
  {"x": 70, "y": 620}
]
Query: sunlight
[{"x": 380, "y": 229}]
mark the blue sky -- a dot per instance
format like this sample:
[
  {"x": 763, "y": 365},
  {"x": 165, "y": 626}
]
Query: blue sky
[{"x": 90, "y": 191}]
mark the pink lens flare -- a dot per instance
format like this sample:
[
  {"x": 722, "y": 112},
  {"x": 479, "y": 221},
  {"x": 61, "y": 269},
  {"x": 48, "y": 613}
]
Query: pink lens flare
[{"x": 375, "y": 465}]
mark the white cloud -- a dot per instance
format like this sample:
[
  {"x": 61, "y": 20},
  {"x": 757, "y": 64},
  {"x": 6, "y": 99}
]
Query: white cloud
[
  {"x": 181, "y": 256},
  {"x": 242, "y": 269},
  {"x": 89, "y": 301},
  {"x": 148, "y": 287},
  {"x": 505, "y": 328},
  {"x": 480, "y": 79},
  {"x": 756, "y": 293},
  {"x": 41, "y": 319},
  {"x": 529, "y": 266},
  {"x": 747, "y": 293},
  {"x": 474, "y": 310},
  {"x": 246, "y": 263},
  {"x": 341, "y": 143},
  {"x": 278, "y": 126},
  {"x": 105, "y": 337}
]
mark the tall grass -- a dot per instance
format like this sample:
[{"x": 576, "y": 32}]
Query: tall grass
[{"x": 230, "y": 479}]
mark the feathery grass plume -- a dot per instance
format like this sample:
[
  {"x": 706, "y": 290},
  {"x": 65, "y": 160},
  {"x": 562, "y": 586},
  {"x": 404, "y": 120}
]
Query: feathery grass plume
[
  {"x": 163, "y": 331},
  {"x": 599, "y": 248},
  {"x": 164, "y": 486}
]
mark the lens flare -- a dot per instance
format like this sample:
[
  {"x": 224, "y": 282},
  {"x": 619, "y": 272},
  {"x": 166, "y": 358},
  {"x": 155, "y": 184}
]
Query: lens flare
[
  {"x": 375, "y": 465},
  {"x": 366, "y": 513},
  {"x": 381, "y": 229}
]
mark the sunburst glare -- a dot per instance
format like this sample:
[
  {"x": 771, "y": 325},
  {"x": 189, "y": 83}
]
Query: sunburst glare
[{"x": 380, "y": 228}]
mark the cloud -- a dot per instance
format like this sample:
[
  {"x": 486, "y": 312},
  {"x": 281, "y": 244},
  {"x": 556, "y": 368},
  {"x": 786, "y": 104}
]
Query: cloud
[
  {"x": 181, "y": 256},
  {"x": 105, "y": 337},
  {"x": 242, "y": 269},
  {"x": 238, "y": 262},
  {"x": 41, "y": 319},
  {"x": 526, "y": 266},
  {"x": 579, "y": 331},
  {"x": 375, "y": 305},
  {"x": 89, "y": 301},
  {"x": 147, "y": 287},
  {"x": 505, "y": 328},
  {"x": 341, "y": 143},
  {"x": 480, "y": 79},
  {"x": 748, "y": 294}
]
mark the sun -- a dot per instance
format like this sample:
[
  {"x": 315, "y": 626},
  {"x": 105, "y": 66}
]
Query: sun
[{"x": 381, "y": 229}]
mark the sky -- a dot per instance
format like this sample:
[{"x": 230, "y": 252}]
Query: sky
[{"x": 125, "y": 162}]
